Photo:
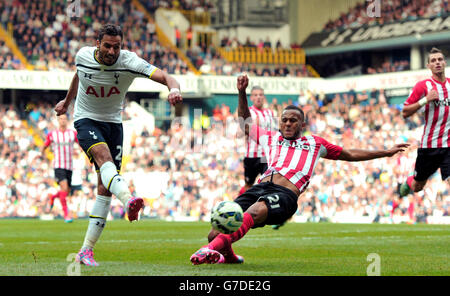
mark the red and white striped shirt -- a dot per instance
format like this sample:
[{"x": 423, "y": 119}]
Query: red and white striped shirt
[
  {"x": 437, "y": 120},
  {"x": 294, "y": 159},
  {"x": 62, "y": 147},
  {"x": 262, "y": 118}
]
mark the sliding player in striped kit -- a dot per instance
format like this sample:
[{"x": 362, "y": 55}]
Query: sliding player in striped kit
[
  {"x": 291, "y": 161},
  {"x": 104, "y": 74},
  {"x": 62, "y": 142},
  {"x": 432, "y": 96}
]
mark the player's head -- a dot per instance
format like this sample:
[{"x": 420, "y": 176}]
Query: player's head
[
  {"x": 109, "y": 43},
  {"x": 292, "y": 122},
  {"x": 257, "y": 96},
  {"x": 436, "y": 61},
  {"x": 63, "y": 121}
]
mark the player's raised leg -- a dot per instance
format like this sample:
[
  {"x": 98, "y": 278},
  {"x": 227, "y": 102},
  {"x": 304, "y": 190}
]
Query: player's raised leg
[
  {"x": 411, "y": 185},
  {"x": 114, "y": 182}
]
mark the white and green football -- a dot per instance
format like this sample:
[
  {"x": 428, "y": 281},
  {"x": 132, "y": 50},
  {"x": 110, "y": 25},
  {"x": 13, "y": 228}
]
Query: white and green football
[{"x": 227, "y": 217}]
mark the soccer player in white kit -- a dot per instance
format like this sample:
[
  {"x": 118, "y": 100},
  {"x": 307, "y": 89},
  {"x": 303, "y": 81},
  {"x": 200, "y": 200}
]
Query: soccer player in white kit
[
  {"x": 291, "y": 159},
  {"x": 104, "y": 74}
]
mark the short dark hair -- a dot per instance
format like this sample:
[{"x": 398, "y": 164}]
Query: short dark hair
[
  {"x": 293, "y": 107},
  {"x": 66, "y": 114},
  {"x": 433, "y": 51},
  {"x": 110, "y": 29},
  {"x": 256, "y": 87}
]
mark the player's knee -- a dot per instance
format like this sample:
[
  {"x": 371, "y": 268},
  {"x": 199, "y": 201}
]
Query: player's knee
[
  {"x": 259, "y": 212},
  {"x": 418, "y": 186},
  {"x": 101, "y": 154},
  {"x": 64, "y": 185},
  {"x": 107, "y": 172},
  {"x": 212, "y": 235}
]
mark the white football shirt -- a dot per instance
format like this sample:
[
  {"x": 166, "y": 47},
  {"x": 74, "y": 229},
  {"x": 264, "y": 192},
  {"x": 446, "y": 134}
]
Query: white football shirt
[{"x": 101, "y": 88}]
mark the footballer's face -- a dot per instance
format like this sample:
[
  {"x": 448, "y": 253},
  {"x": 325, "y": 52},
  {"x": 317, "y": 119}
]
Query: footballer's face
[
  {"x": 257, "y": 97},
  {"x": 291, "y": 124},
  {"x": 109, "y": 49},
  {"x": 436, "y": 63},
  {"x": 63, "y": 121}
]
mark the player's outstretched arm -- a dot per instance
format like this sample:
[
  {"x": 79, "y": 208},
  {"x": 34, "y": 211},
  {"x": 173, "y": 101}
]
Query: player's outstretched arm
[
  {"x": 243, "y": 111},
  {"x": 63, "y": 105},
  {"x": 171, "y": 83},
  {"x": 362, "y": 155}
]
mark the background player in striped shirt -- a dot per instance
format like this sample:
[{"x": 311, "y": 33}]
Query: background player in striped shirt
[
  {"x": 62, "y": 141},
  {"x": 432, "y": 96},
  {"x": 291, "y": 161},
  {"x": 255, "y": 162},
  {"x": 104, "y": 74}
]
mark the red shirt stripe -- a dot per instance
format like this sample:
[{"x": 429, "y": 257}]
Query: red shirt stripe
[
  {"x": 263, "y": 118},
  {"x": 294, "y": 159},
  {"x": 62, "y": 147},
  {"x": 437, "y": 124}
]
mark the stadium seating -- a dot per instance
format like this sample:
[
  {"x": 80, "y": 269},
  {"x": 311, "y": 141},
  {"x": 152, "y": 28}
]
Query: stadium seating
[
  {"x": 49, "y": 38},
  {"x": 50, "y": 41},
  {"x": 397, "y": 10}
]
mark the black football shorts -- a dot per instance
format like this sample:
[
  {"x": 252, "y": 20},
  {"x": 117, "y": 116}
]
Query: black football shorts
[
  {"x": 281, "y": 202},
  {"x": 429, "y": 160},
  {"x": 63, "y": 174},
  {"x": 254, "y": 167},
  {"x": 91, "y": 132}
]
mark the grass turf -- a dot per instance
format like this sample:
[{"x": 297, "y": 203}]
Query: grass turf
[{"x": 157, "y": 248}]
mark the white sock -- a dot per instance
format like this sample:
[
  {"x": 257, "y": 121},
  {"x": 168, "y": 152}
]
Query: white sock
[
  {"x": 114, "y": 182},
  {"x": 97, "y": 221}
]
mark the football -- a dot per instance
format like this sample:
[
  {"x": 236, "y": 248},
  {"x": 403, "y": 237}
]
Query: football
[{"x": 227, "y": 217}]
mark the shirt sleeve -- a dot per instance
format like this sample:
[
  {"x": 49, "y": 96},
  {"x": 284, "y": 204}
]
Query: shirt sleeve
[
  {"x": 331, "y": 151},
  {"x": 78, "y": 56},
  {"x": 48, "y": 140},
  {"x": 140, "y": 67},
  {"x": 418, "y": 92}
]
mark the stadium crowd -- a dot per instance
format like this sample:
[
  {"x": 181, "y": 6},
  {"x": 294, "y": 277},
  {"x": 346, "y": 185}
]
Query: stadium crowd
[
  {"x": 195, "y": 5},
  {"x": 50, "y": 38},
  {"x": 8, "y": 60},
  {"x": 390, "y": 11},
  {"x": 387, "y": 67},
  {"x": 184, "y": 171}
]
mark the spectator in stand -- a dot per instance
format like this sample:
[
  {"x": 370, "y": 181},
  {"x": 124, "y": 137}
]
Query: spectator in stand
[{"x": 268, "y": 43}]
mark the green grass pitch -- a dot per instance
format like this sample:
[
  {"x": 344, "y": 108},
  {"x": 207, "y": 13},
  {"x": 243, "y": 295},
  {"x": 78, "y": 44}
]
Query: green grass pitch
[{"x": 157, "y": 248}]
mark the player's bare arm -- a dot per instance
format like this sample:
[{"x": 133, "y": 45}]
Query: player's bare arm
[
  {"x": 409, "y": 110},
  {"x": 362, "y": 155},
  {"x": 243, "y": 111},
  {"x": 171, "y": 83},
  {"x": 62, "y": 106}
]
